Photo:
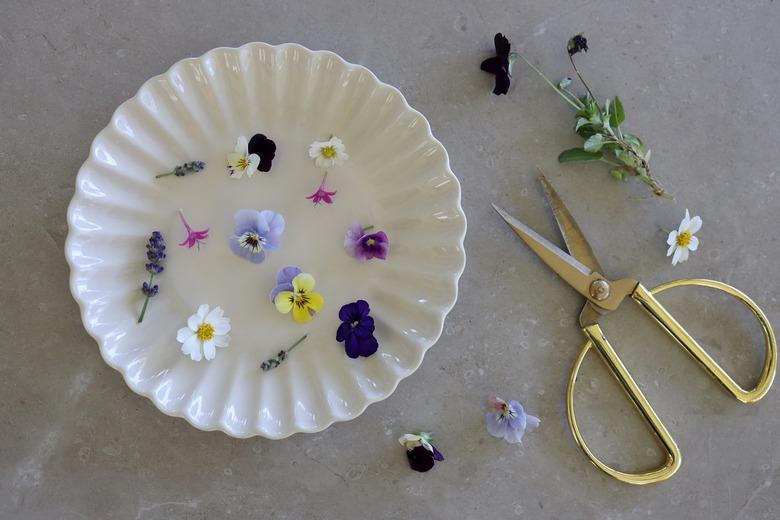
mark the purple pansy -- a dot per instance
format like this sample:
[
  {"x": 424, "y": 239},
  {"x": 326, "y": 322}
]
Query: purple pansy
[
  {"x": 508, "y": 421},
  {"x": 500, "y": 65},
  {"x": 365, "y": 246},
  {"x": 357, "y": 329},
  {"x": 284, "y": 280},
  {"x": 256, "y": 232},
  {"x": 419, "y": 450}
]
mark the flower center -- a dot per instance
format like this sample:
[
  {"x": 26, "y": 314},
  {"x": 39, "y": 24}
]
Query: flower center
[
  {"x": 205, "y": 331},
  {"x": 684, "y": 239},
  {"x": 355, "y": 323},
  {"x": 329, "y": 152},
  {"x": 252, "y": 241},
  {"x": 243, "y": 163},
  {"x": 371, "y": 242},
  {"x": 301, "y": 299}
]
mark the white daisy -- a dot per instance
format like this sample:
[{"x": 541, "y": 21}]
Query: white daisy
[
  {"x": 682, "y": 240},
  {"x": 241, "y": 161},
  {"x": 328, "y": 153},
  {"x": 204, "y": 332}
]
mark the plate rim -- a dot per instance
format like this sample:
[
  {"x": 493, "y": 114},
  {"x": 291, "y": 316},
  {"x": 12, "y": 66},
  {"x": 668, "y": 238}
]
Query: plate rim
[{"x": 218, "y": 425}]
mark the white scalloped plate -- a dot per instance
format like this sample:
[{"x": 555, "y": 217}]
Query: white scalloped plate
[{"x": 397, "y": 178}]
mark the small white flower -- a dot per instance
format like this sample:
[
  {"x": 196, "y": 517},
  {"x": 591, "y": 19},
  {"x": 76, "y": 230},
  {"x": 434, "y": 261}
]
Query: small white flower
[
  {"x": 204, "y": 332},
  {"x": 411, "y": 440},
  {"x": 241, "y": 161},
  {"x": 328, "y": 153},
  {"x": 682, "y": 240}
]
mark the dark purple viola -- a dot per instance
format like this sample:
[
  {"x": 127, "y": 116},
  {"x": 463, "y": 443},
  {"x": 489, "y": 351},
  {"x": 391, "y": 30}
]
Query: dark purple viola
[
  {"x": 419, "y": 451},
  {"x": 357, "y": 329},
  {"x": 264, "y": 148},
  {"x": 499, "y": 65}
]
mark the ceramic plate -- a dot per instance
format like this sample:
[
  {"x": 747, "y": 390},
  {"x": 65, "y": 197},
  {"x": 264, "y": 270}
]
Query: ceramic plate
[{"x": 397, "y": 178}]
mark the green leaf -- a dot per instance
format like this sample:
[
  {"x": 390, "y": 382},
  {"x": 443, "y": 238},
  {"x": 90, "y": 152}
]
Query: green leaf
[
  {"x": 618, "y": 115},
  {"x": 580, "y": 122},
  {"x": 625, "y": 157},
  {"x": 594, "y": 143},
  {"x": 578, "y": 154},
  {"x": 619, "y": 173},
  {"x": 633, "y": 140}
]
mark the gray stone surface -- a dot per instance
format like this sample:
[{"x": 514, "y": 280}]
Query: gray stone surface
[{"x": 699, "y": 81}]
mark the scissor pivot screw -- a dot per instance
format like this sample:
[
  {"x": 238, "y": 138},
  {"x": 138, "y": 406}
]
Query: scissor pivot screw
[{"x": 599, "y": 290}]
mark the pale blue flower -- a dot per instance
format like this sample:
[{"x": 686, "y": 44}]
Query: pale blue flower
[{"x": 508, "y": 421}]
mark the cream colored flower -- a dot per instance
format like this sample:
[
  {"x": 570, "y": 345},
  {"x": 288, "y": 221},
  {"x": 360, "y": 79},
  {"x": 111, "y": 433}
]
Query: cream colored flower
[
  {"x": 328, "y": 153},
  {"x": 204, "y": 332},
  {"x": 683, "y": 240},
  {"x": 241, "y": 161}
]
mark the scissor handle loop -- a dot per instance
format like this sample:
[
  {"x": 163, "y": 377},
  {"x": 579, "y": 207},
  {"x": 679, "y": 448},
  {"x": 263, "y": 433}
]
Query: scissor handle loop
[{"x": 646, "y": 300}]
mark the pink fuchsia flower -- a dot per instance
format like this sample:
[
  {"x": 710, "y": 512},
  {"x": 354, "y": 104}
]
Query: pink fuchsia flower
[
  {"x": 508, "y": 420},
  {"x": 365, "y": 246},
  {"x": 322, "y": 195},
  {"x": 194, "y": 236}
]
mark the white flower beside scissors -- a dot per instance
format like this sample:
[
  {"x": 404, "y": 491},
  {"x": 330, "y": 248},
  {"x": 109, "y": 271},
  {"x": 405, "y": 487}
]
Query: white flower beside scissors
[{"x": 683, "y": 240}]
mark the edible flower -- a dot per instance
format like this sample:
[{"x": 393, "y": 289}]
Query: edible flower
[
  {"x": 419, "y": 450},
  {"x": 205, "y": 331},
  {"x": 577, "y": 44},
  {"x": 500, "y": 65},
  {"x": 155, "y": 253},
  {"x": 264, "y": 148},
  {"x": 240, "y": 161},
  {"x": 508, "y": 421},
  {"x": 184, "y": 169},
  {"x": 357, "y": 329},
  {"x": 365, "y": 246},
  {"x": 327, "y": 154},
  {"x": 683, "y": 240},
  {"x": 277, "y": 360},
  {"x": 255, "y": 233},
  {"x": 284, "y": 280},
  {"x": 322, "y": 195},
  {"x": 302, "y": 301},
  {"x": 194, "y": 236}
]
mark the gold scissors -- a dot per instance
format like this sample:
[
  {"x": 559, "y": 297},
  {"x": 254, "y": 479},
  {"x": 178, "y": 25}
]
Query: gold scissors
[{"x": 580, "y": 269}]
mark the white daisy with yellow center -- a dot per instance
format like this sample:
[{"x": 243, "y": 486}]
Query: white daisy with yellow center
[
  {"x": 683, "y": 240},
  {"x": 241, "y": 161},
  {"x": 205, "y": 331},
  {"x": 327, "y": 154}
]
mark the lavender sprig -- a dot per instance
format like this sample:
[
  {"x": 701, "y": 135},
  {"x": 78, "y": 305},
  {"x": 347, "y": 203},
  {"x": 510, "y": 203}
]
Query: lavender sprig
[
  {"x": 184, "y": 169},
  {"x": 155, "y": 253},
  {"x": 275, "y": 361}
]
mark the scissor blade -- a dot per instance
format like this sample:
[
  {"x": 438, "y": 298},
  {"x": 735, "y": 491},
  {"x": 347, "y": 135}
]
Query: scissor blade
[
  {"x": 570, "y": 269},
  {"x": 575, "y": 241}
]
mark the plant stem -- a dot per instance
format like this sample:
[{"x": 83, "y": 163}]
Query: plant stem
[
  {"x": 578, "y": 105},
  {"x": 582, "y": 80},
  {"x": 165, "y": 174},
  {"x": 146, "y": 301},
  {"x": 368, "y": 228},
  {"x": 297, "y": 343}
]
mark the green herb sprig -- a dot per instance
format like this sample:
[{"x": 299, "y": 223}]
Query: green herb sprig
[{"x": 600, "y": 127}]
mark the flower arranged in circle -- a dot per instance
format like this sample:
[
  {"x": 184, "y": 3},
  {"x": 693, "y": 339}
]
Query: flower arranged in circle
[
  {"x": 255, "y": 233},
  {"x": 508, "y": 421},
  {"x": 194, "y": 236},
  {"x": 328, "y": 153},
  {"x": 264, "y": 148},
  {"x": 155, "y": 253},
  {"x": 357, "y": 329},
  {"x": 284, "y": 279},
  {"x": 365, "y": 246},
  {"x": 240, "y": 161},
  {"x": 184, "y": 169},
  {"x": 205, "y": 331},
  {"x": 301, "y": 300},
  {"x": 500, "y": 65},
  {"x": 419, "y": 450},
  {"x": 322, "y": 195},
  {"x": 278, "y": 359},
  {"x": 683, "y": 240}
]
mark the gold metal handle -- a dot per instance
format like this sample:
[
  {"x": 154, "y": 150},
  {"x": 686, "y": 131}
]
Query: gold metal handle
[
  {"x": 596, "y": 337},
  {"x": 648, "y": 302},
  {"x": 653, "y": 307}
]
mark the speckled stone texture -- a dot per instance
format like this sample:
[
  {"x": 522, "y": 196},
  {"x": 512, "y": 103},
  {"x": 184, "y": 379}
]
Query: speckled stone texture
[{"x": 699, "y": 81}]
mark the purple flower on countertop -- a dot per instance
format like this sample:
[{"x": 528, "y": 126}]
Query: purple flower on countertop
[
  {"x": 284, "y": 280},
  {"x": 577, "y": 44},
  {"x": 365, "y": 246},
  {"x": 255, "y": 233},
  {"x": 322, "y": 195},
  {"x": 357, "y": 329},
  {"x": 194, "y": 236},
  {"x": 508, "y": 421},
  {"x": 500, "y": 65},
  {"x": 419, "y": 450},
  {"x": 155, "y": 253}
]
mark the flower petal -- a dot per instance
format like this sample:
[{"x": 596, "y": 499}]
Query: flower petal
[
  {"x": 694, "y": 245},
  {"x": 254, "y": 161},
  {"x": 191, "y": 347},
  {"x": 671, "y": 249},
  {"x": 221, "y": 326},
  {"x": 304, "y": 282},
  {"x": 215, "y": 314},
  {"x": 316, "y": 301},
  {"x": 209, "y": 349},
  {"x": 222, "y": 341},
  {"x": 242, "y": 145},
  {"x": 342, "y": 332},
  {"x": 686, "y": 222},
  {"x": 677, "y": 254},
  {"x": 352, "y": 346},
  {"x": 284, "y": 301},
  {"x": 301, "y": 314},
  {"x": 279, "y": 288},
  {"x": 695, "y": 225},
  {"x": 286, "y": 274},
  {"x": 368, "y": 346},
  {"x": 245, "y": 220},
  {"x": 672, "y": 238},
  {"x": 683, "y": 254},
  {"x": 184, "y": 334},
  {"x": 348, "y": 311}
]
